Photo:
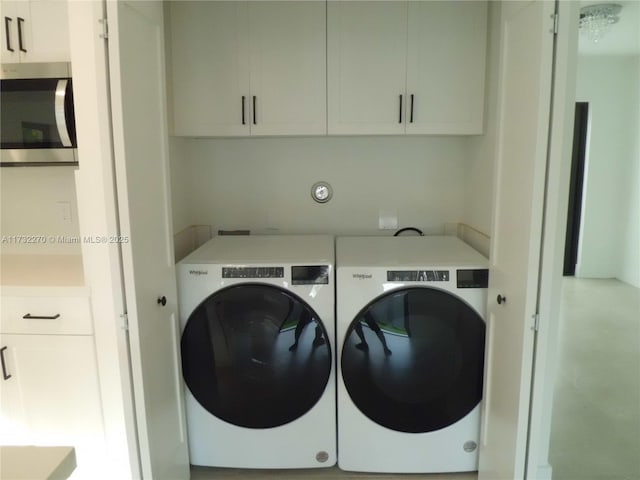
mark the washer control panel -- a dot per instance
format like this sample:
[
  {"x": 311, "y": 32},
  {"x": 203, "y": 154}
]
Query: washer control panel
[{"x": 252, "y": 272}]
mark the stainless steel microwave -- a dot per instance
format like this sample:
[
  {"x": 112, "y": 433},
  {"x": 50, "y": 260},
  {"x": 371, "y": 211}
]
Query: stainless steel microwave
[{"x": 37, "y": 125}]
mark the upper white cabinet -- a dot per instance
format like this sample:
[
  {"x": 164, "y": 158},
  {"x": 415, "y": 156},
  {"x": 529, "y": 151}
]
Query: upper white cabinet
[
  {"x": 446, "y": 67},
  {"x": 35, "y": 31},
  {"x": 367, "y": 64},
  {"x": 210, "y": 68},
  {"x": 406, "y": 67},
  {"x": 248, "y": 68}
]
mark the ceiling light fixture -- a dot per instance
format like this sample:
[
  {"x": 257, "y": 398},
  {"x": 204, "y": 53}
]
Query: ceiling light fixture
[{"x": 596, "y": 20}]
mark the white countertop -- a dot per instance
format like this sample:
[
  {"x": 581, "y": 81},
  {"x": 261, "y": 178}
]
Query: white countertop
[{"x": 36, "y": 463}]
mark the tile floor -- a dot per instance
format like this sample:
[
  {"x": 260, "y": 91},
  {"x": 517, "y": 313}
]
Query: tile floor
[
  {"x": 596, "y": 415},
  {"x": 596, "y": 419}
]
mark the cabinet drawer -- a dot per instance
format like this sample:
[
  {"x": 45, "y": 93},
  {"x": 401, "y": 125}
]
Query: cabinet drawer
[{"x": 46, "y": 315}]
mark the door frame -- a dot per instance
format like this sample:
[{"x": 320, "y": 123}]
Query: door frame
[
  {"x": 553, "y": 240},
  {"x": 98, "y": 215}
]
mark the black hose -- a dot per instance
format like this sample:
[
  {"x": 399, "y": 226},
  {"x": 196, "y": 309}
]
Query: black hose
[{"x": 406, "y": 229}]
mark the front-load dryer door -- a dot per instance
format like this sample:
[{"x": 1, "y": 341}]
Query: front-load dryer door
[
  {"x": 412, "y": 360},
  {"x": 255, "y": 356}
]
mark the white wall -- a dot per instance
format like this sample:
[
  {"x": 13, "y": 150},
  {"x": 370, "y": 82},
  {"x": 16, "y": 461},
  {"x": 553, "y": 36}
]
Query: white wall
[
  {"x": 479, "y": 180},
  {"x": 478, "y": 201},
  {"x": 263, "y": 184},
  {"x": 29, "y": 206},
  {"x": 180, "y": 184},
  {"x": 610, "y": 227}
]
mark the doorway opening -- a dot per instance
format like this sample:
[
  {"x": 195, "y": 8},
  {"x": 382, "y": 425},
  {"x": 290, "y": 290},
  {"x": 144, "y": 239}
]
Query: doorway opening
[{"x": 572, "y": 239}]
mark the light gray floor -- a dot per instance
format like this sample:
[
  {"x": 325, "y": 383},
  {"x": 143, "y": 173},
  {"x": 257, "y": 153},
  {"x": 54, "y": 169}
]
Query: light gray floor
[
  {"x": 596, "y": 415},
  {"x": 596, "y": 421}
]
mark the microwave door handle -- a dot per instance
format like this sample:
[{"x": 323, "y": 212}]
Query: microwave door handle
[{"x": 61, "y": 120}]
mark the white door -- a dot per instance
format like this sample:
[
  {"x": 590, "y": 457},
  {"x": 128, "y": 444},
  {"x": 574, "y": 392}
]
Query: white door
[
  {"x": 446, "y": 67},
  {"x": 366, "y": 67},
  {"x": 210, "y": 68},
  {"x": 136, "y": 61},
  {"x": 288, "y": 68},
  {"x": 523, "y": 109}
]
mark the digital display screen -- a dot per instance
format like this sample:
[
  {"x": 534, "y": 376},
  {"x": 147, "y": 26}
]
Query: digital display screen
[
  {"x": 476, "y": 278},
  {"x": 310, "y": 275}
]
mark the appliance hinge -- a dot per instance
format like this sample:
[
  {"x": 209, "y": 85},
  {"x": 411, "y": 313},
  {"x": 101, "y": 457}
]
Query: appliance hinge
[
  {"x": 536, "y": 322},
  {"x": 105, "y": 28},
  {"x": 556, "y": 21},
  {"x": 125, "y": 321}
]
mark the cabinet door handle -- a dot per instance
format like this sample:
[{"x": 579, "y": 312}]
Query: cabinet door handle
[
  {"x": 255, "y": 116},
  {"x": 7, "y": 28},
  {"x": 400, "y": 119},
  {"x": 5, "y": 375},
  {"x": 28, "y": 316},
  {"x": 243, "y": 119},
  {"x": 411, "y": 113},
  {"x": 20, "y": 41}
]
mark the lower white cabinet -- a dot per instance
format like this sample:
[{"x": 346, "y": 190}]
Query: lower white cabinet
[{"x": 49, "y": 392}]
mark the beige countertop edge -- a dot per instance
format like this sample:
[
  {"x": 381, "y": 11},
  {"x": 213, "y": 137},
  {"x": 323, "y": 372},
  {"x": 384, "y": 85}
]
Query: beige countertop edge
[
  {"x": 37, "y": 463},
  {"x": 43, "y": 291}
]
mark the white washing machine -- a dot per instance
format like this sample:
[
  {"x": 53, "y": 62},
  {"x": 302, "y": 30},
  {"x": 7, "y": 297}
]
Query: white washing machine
[
  {"x": 257, "y": 348},
  {"x": 410, "y": 351}
]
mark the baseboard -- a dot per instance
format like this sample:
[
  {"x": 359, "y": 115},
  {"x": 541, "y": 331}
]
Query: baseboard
[{"x": 545, "y": 472}]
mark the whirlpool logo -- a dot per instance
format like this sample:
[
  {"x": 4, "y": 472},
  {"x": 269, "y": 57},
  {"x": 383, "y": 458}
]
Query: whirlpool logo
[
  {"x": 197, "y": 273},
  {"x": 363, "y": 276}
]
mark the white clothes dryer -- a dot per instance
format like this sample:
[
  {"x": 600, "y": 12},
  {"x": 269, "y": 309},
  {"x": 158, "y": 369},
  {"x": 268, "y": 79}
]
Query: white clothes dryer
[
  {"x": 410, "y": 351},
  {"x": 257, "y": 346}
]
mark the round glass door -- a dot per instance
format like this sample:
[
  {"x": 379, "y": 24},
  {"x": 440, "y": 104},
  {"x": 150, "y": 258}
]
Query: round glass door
[
  {"x": 413, "y": 359},
  {"x": 255, "y": 356}
]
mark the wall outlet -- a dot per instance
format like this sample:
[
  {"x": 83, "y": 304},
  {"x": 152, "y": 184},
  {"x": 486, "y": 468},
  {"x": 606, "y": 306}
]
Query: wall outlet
[
  {"x": 388, "y": 220},
  {"x": 63, "y": 210}
]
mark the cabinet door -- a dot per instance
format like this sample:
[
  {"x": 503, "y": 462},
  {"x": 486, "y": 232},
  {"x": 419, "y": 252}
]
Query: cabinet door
[
  {"x": 52, "y": 396},
  {"x": 47, "y": 32},
  {"x": 288, "y": 67},
  {"x": 210, "y": 68},
  {"x": 446, "y": 67},
  {"x": 366, "y": 63},
  {"x": 38, "y": 31},
  {"x": 11, "y": 12}
]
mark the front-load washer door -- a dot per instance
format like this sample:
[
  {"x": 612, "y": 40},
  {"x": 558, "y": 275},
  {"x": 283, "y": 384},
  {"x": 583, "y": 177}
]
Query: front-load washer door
[
  {"x": 412, "y": 360},
  {"x": 255, "y": 356}
]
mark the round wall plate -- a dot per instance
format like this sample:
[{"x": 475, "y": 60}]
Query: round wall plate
[{"x": 321, "y": 192}]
